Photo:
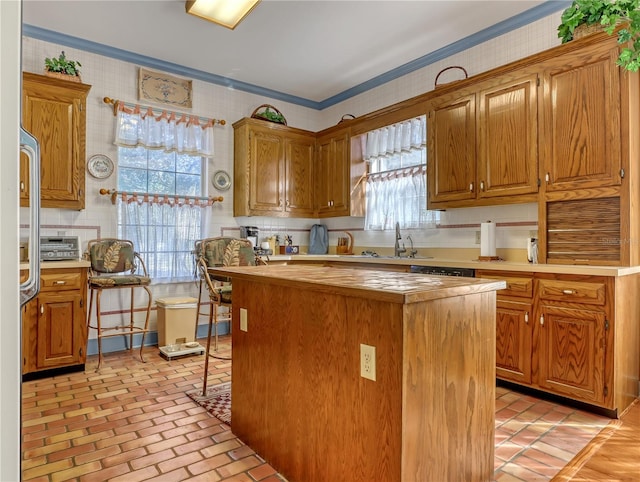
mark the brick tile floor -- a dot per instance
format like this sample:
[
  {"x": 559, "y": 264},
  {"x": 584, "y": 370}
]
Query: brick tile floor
[{"x": 133, "y": 421}]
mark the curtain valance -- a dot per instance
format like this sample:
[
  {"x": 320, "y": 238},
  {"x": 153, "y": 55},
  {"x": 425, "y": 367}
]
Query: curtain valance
[
  {"x": 184, "y": 135},
  {"x": 395, "y": 138}
]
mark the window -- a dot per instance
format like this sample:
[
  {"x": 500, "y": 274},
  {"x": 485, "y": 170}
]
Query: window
[
  {"x": 162, "y": 228},
  {"x": 396, "y": 190}
]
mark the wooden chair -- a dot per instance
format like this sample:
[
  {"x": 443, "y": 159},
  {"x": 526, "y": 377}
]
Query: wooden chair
[
  {"x": 114, "y": 266},
  {"x": 209, "y": 253}
]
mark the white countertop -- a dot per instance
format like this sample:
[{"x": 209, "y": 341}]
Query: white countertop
[{"x": 616, "y": 271}]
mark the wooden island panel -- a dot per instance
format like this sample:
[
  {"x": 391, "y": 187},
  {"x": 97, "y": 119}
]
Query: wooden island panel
[{"x": 299, "y": 400}]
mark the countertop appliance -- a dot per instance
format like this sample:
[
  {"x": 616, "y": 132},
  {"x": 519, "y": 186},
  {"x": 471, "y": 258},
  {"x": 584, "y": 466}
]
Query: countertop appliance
[
  {"x": 444, "y": 271},
  {"x": 59, "y": 248},
  {"x": 251, "y": 233}
]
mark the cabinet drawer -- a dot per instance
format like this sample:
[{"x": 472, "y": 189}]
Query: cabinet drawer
[
  {"x": 50, "y": 281},
  {"x": 572, "y": 291},
  {"x": 516, "y": 286}
]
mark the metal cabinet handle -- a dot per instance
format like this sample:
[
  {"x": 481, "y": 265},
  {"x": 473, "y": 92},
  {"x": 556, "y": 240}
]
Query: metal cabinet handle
[
  {"x": 526, "y": 317},
  {"x": 541, "y": 320},
  {"x": 547, "y": 177},
  {"x": 568, "y": 292},
  {"x": 471, "y": 187},
  {"x": 288, "y": 203},
  {"x": 42, "y": 309},
  {"x": 482, "y": 185},
  {"x": 60, "y": 282},
  {"x": 22, "y": 186}
]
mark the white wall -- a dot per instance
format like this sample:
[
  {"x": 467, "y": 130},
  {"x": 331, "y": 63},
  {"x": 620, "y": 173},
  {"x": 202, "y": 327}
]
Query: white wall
[{"x": 118, "y": 80}]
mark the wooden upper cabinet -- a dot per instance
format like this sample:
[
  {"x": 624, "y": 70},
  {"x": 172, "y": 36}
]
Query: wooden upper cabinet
[
  {"x": 267, "y": 169},
  {"x": 508, "y": 138},
  {"x": 298, "y": 179},
  {"x": 273, "y": 170},
  {"x": 483, "y": 144},
  {"x": 54, "y": 111},
  {"x": 451, "y": 149},
  {"x": 580, "y": 120},
  {"x": 332, "y": 175}
]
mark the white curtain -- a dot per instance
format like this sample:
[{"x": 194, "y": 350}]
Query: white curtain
[
  {"x": 185, "y": 135},
  {"x": 163, "y": 231},
  {"x": 396, "y": 186}
]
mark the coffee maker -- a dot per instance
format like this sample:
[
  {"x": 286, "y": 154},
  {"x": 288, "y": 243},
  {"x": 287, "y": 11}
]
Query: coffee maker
[{"x": 251, "y": 233}]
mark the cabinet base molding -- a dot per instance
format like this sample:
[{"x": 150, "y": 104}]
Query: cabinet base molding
[
  {"x": 570, "y": 402},
  {"x": 52, "y": 372}
]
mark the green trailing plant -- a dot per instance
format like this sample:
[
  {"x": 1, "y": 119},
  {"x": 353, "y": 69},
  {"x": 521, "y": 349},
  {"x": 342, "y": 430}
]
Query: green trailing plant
[
  {"x": 272, "y": 116},
  {"x": 62, "y": 65},
  {"x": 609, "y": 14}
]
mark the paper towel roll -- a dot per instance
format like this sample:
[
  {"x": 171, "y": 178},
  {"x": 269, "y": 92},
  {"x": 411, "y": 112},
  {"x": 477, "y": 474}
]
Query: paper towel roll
[{"x": 487, "y": 239}]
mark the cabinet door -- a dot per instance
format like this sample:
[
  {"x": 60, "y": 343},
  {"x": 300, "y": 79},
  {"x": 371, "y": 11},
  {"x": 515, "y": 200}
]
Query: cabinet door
[
  {"x": 299, "y": 176},
  {"x": 54, "y": 112},
  {"x": 266, "y": 172},
  {"x": 332, "y": 176},
  {"x": 29, "y": 335},
  {"x": 60, "y": 330},
  {"x": 508, "y": 138},
  {"x": 513, "y": 340},
  {"x": 580, "y": 121},
  {"x": 451, "y": 158},
  {"x": 571, "y": 352},
  {"x": 24, "y": 180}
]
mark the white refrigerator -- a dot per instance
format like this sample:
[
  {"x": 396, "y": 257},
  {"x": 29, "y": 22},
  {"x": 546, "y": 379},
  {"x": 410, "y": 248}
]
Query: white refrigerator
[{"x": 12, "y": 294}]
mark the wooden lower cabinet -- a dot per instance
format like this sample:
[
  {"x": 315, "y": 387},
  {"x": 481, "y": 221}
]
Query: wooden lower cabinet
[
  {"x": 570, "y": 335},
  {"x": 571, "y": 352},
  {"x": 513, "y": 340},
  {"x": 54, "y": 333}
]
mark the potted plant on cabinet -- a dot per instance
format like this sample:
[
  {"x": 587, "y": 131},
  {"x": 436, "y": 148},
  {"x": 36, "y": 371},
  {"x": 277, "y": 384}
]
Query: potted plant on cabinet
[
  {"x": 606, "y": 15},
  {"x": 62, "y": 68}
]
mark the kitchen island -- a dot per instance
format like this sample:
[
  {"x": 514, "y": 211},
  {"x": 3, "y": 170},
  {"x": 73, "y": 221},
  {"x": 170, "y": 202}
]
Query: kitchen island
[{"x": 299, "y": 399}]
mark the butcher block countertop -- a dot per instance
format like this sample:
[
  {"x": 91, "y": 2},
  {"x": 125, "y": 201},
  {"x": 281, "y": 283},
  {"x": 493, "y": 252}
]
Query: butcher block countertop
[
  {"x": 365, "y": 283},
  {"x": 615, "y": 271}
]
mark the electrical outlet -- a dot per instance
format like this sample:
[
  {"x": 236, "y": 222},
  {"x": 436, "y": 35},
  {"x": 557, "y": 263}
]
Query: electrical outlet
[
  {"x": 368, "y": 362},
  {"x": 243, "y": 320},
  {"x": 477, "y": 237}
]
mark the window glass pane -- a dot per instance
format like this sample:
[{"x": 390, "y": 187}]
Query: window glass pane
[
  {"x": 162, "y": 161},
  {"x": 187, "y": 185},
  {"x": 189, "y": 164},
  {"x": 163, "y": 234},
  {"x": 132, "y": 157},
  {"x": 132, "y": 180},
  {"x": 162, "y": 182}
]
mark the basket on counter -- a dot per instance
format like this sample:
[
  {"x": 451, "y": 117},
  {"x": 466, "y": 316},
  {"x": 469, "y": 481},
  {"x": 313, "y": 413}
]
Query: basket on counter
[
  {"x": 449, "y": 68},
  {"x": 270, "y": 113}
]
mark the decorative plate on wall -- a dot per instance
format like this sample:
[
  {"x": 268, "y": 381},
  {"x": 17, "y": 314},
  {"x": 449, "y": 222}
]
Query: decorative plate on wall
[
  {"x": 221, "y": 180},
  {"x": 100, "y": 166}
]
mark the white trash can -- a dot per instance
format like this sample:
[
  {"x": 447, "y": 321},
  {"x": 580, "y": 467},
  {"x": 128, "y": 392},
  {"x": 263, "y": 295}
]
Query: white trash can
[{"x": 176, "y": 320}]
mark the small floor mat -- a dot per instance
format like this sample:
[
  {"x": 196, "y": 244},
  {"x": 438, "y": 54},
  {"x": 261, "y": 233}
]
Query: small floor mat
[{"x": 217, "y": 401}]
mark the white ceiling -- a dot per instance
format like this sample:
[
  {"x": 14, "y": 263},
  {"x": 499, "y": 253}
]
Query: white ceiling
[{"x": 310, "y": 49}]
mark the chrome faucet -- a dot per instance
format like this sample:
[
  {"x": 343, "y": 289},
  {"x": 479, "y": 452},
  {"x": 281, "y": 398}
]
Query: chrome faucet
[
  {"x": 412, "y": 251},
  {"x": 397, "y": 250}
]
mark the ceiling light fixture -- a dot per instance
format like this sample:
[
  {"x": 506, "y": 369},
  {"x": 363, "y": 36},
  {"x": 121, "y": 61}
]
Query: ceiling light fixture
[{"x": 227, "y": 13}]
